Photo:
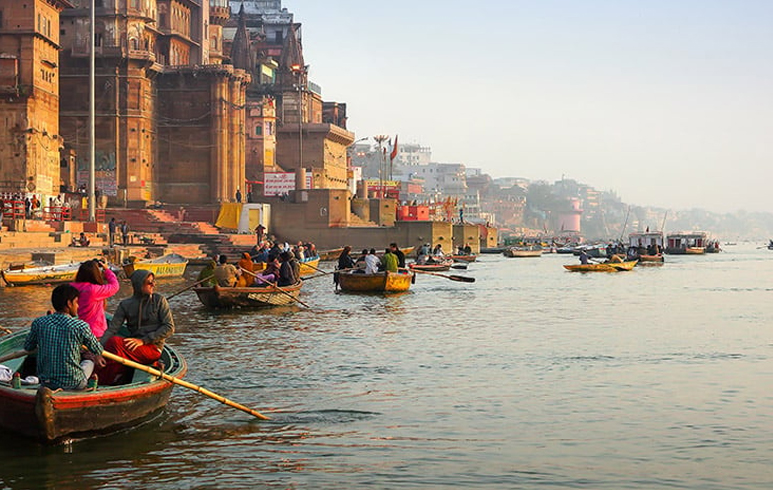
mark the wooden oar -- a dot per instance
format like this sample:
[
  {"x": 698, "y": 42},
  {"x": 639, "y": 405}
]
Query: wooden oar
[
  {"x": 188, "y": 287},
  {"x": 273, "y": 285},
  {"x": 324, "y": 273},
  {"x": 452, "y": 277},
  {"x": 13, "y": 355},
  {"x": 178, "y": 381}
]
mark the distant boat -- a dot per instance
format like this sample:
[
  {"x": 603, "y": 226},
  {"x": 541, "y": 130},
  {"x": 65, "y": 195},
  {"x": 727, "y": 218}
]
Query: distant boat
[
  {"x": 602, "y": 267},
  {"x": 686, "y": 243},
  {"x": 646, "y": 240},
  {"x": 522, "y": 252},
  {"x": 435, "y": 266}
]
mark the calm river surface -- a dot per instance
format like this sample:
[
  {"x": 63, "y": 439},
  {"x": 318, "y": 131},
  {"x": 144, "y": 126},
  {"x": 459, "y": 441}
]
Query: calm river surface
[{"x": 532, "y": 377}]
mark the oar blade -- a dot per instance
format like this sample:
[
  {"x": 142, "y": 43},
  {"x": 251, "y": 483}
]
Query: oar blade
[{"x": 454, "y": 277}]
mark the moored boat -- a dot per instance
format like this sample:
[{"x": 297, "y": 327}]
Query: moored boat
[
  {"x": 172, "y": 265},
  {"x": 602, "y": 267},
  {"x": 52, "y": 417},
  {"x": 386, "y": 282},
  {"x": 49, "y": 274},
  {"x": 492, "y": 250},
  {"x": 249, "y": 297},
  {"x": 522, "y": 252},
  {"x": 464, "y": 258}
]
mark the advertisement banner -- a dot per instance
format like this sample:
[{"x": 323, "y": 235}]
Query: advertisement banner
[{"x": 278, "y": 183}]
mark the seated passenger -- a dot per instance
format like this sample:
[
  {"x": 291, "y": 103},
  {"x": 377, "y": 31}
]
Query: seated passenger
[
  {"x": 58, "y": 339},
  {"x": 247, "y": 275},
  {"x": 286, "y": 273},
  {"x": 269, "y": 274},
  {"x": 149, "y": 321},
  {"x": 226, "y": 274}
]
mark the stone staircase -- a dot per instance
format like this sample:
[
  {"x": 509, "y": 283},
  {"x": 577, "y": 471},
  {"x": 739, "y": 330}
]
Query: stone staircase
[{"x": 191, "y": 239}]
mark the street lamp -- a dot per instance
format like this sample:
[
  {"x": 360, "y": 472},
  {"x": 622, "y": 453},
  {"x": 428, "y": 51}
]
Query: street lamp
[{"x": 380, "y": 138}]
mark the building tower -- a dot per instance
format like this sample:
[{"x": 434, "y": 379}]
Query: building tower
[{"x": 29, "y": 97}]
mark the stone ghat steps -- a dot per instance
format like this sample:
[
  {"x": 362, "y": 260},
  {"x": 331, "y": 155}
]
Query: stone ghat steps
[{"x": 213, "y": 244}]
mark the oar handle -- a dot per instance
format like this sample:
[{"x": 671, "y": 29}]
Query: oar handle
[
  {"x": 177, "y": 381},
  {"x": 188, "y": 287}
]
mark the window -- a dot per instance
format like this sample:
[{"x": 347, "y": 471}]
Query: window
[{"x": 258, "y": 130}]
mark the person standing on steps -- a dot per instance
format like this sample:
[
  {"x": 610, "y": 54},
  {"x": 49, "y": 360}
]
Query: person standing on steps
[{"x": 111, "y": 228}]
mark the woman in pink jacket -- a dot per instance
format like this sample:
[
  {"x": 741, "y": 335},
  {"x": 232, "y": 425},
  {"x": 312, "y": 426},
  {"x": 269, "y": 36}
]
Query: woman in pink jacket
[{"x": 96, "y": 282}]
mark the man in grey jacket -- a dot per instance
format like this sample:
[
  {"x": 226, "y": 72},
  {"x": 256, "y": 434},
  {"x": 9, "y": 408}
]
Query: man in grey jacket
[{"x": 149, "y": 322}]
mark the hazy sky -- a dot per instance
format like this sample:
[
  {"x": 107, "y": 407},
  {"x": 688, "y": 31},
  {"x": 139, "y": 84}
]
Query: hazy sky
[{"x": 667, "y": 103}]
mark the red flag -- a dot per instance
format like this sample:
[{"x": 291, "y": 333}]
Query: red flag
[{"x": 394, "y": 150}]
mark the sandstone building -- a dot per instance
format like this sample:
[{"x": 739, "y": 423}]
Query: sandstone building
[
  {"x": 170, "y": 115},
  {"x": 30, "y": 140}
]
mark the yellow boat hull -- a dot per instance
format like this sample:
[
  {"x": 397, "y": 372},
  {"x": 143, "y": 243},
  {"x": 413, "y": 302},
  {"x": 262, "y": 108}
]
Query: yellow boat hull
[
  {"x": 605, "y": 267},
  {"x": 168, "y": 266},
  {"x": 386, "y": 282},
  {"x": 41, "y": 275}
]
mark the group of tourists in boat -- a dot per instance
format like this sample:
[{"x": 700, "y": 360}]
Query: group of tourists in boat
[
  {"x": 428, "y": 255},
  {"x": 54, "y": 357},
  {"x": 265, "y": 265},
  {"x": 368, "y": 262},
  {"x": 372, "y": 273}
]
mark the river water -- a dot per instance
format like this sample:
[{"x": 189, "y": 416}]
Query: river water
[{"x": 532, "y": 377}]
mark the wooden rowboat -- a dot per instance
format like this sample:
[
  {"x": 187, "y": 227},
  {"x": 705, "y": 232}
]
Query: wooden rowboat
[
  {"x": 464, "y": 258},
  {"x": 603, "y": 267},
  {"x": 522, "y": 252},
  {"x": 308, "y": 266},
  {"x": 330, "y": 254},
  {"x": 249, "y": 297},
  {"x": 49, "y": 274},
  {"x": 651, "y": 259},
  {"x": 51, "y": 417},
  {"x": 172, "y": 265},
  {"x": 443, "y": 265},
  {"x": 385, "y": 282}
]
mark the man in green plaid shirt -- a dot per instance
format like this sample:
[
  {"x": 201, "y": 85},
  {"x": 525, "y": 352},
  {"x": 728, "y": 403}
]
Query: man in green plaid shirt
[{"x": 58, "y": 338}]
